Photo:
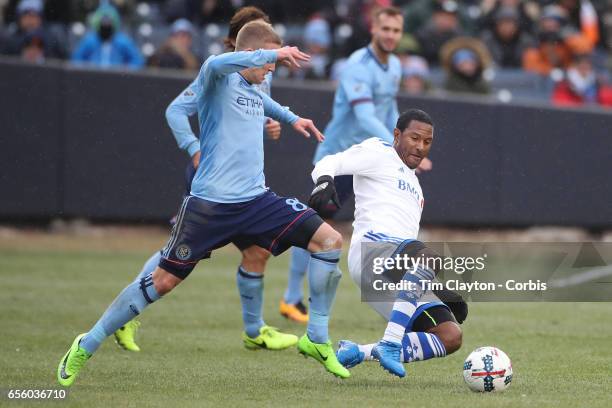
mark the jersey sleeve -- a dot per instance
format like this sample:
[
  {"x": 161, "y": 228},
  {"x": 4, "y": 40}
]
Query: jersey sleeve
[
  {"x": 356, "y": 84},
  {"x": 369, "y": 123},
  {"x": 177, "y": 116},
  {"x": 274, "y": 110},
  {"x": 229, "y": 62},
  {"x": 218, "y": 66},
  {"x": 360, "y": 159}
]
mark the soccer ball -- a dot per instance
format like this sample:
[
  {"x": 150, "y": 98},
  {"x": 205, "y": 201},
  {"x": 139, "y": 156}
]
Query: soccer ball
[{"x": 487, "y": 369}]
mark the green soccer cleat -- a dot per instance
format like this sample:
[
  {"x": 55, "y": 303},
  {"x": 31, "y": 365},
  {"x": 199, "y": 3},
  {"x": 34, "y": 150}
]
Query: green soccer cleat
[
  {"x": 125, "y": 336},
  {"x": 270, "y": 338},
  {"x": 72, "y": 362},
  {"x": 324, "y": 354}
]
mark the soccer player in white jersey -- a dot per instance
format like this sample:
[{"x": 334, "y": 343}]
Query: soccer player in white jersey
[
  {"x": 388, "y": 206},
  {"x": 365, "y": 105}
]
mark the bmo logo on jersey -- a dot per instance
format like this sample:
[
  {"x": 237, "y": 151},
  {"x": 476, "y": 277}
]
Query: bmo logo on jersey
[
  {"x": 250, "y": 106},
  {"x": 406, "y": 186}
]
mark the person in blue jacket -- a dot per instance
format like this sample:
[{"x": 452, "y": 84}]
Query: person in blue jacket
[{"x": 104, "y": 46}]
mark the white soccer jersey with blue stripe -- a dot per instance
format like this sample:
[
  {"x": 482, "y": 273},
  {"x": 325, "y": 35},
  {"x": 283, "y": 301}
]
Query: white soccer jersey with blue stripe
[{"x": 388, "y": 197}]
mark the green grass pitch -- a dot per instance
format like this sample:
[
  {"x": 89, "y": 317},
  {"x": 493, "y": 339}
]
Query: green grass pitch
[{"x": 193, "y": 356}]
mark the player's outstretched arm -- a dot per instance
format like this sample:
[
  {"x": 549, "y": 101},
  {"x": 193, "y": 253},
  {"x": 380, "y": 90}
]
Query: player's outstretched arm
[
  {"x": 237, "y": 61},
  {"x": 291, "y": 56},
  {"x": 177, "y": 116},
  {"x": 274, "y": 110},
  {"x": 356, "y": 160},
  {"x": 360, "y": 159},
  {"x": 230, "y": 62},
  {"x": 306, "y": 127}
]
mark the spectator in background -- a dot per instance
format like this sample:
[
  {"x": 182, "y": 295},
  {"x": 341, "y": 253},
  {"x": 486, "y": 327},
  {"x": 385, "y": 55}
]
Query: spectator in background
[
  {"x": 527, "y": 11},
  {"x": 176, "y": 51},
  {"x": 200, "y": 12},
  {"x": 581, "y": 86},
  {"x": 105, "y": 46},
  {"x": 317, "y": 40},
  {"x": 443, "y": 26},
  {"x": 465, "y": 60},
  {"x": 29, "y": 38},
  {"x": 415, "y": 74},
  {"x": 358, "y": 14},
  {"x": 557, "y": 43},
  {"x": 582, "y": 17},
  {"x": 506, "y": 41},
  {"x": 418, "y": 13}
]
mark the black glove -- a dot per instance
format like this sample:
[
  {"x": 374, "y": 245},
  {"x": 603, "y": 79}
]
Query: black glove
[
  {"x": 455, "y": 303},
  {"x": 324, "y": 196}
]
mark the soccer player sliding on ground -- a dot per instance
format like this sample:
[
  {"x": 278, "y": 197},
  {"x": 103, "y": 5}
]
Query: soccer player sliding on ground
[
  {"x": 256, "y": 335},
  {"x": 229, "y": 201},
  {"x": 388, "y": 206},
  {"x": 365, "y": 105}
]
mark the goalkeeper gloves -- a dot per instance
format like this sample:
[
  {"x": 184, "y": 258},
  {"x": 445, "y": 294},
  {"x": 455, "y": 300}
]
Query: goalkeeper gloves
[{"x": 324, "y": 198}]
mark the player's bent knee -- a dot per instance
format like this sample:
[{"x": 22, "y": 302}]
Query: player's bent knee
[
  {"x": 452, "y": 338},
  {"x": 255, "y": 254},
  {"x": 254, "y": 259},
  {"x": 450, "y": 335},
  {"x": 325, "y": 239},
  {"x": 164, "y": 281},
  {"x": 335, "y": 240}
]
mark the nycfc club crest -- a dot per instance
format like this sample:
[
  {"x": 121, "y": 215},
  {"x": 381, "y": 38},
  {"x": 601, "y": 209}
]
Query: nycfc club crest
[{"x": 183, "y": 252}]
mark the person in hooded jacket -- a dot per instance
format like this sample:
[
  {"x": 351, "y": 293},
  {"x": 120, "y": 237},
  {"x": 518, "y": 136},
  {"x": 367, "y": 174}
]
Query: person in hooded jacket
[
  {"x": 465, "y": 60},
  {"x": 104, "y": 45}
]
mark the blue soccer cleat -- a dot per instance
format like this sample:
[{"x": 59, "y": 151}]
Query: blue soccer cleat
[
  {"x": 388, "y": 355},
  {"x": 348, "y": 354}
]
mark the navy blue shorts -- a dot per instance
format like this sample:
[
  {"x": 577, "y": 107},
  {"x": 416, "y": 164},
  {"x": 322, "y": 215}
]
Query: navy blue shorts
[
  {"x": 190, "y": 172},
  {"x": 269, "y": 221}
]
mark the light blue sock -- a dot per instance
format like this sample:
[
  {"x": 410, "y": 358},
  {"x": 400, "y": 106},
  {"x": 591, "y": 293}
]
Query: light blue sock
[
  {"x": 323, "y": 278},
  {"x": 417, "y": 346},
  {"x": 149, "y": 266},
  {"x": 297, "y": 269},
  {"x": 250, "y": 287},
  {"x": 129, "y": 304}
]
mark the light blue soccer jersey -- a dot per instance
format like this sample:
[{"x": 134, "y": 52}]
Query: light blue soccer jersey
[
  {"x": 231, "y": 112},
  {"x": 186, "y": 105},
  {"x": 365, "y": 103}
]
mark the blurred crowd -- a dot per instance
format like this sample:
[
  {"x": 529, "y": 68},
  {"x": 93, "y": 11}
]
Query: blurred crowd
[{"x": 558, "y": 50}]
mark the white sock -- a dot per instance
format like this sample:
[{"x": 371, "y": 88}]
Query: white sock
[
  {"x": 400, "y": 316},
  {"x": 366, "y": 349}
]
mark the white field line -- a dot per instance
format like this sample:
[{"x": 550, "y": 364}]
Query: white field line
[{"x": 583, "y": 277}]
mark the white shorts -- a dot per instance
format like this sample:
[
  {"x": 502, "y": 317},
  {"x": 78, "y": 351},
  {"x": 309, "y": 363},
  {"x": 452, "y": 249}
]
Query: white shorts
[{"x": 384, "y": 306}]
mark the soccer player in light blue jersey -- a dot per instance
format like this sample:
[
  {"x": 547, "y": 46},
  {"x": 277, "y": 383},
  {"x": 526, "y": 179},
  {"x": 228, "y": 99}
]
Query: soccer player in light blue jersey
[
  {"x": 365, "y": 106},
  {"x": 254, "y": 258},
  {"x": 229, "y": 201}
]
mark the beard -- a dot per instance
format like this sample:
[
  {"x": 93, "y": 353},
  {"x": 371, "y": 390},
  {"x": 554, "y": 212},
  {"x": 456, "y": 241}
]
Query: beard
[{"x": 380, "y": 45}]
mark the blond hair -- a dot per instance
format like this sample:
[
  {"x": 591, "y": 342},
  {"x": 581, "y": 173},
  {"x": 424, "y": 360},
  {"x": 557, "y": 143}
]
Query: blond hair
[{"x": 255, "y": 35}]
